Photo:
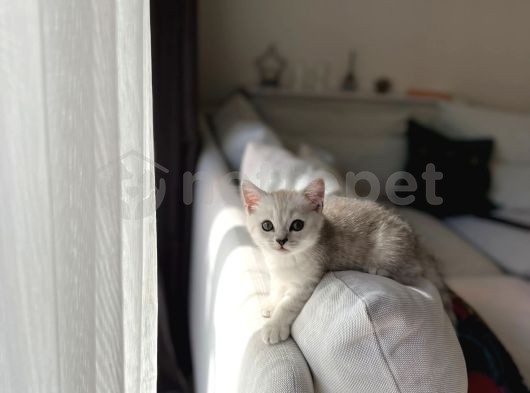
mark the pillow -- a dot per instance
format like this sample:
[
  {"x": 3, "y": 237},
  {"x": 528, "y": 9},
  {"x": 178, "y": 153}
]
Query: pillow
[
  {"x": 366, "y": 333},
  {"x": 511, "y": 185},
  {"x": 510, "y": 131},
  {"x": 273, "y": 168},
  {"x": 322, "y": 159},
  {"x": 464, "y": 165},
  {"x": 235, "y": 124}
]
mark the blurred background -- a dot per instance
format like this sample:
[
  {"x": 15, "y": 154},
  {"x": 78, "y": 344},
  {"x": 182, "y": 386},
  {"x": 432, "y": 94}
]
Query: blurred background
[{"x": 473, "y": 50}]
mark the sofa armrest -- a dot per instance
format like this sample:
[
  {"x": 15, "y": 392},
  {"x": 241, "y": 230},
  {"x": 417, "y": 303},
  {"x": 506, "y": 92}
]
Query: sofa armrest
[
  {"x": 274, "y": 368},
  {"x": 228, "y": 282},
  {"x": 367, "y": 333}
]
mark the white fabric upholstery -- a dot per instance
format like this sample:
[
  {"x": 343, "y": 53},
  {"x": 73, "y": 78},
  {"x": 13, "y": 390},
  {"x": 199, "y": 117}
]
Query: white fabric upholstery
[
  {"x": 504, "y": 304},
  {"x": 279, "y": 368},
  {"x": 456, "y": 256},
  {"x": 369, "y": 334},
  {"x": 228, "y": 282},
  {"x": 236, "y": 123},
  {"x": 274, "y": 167}
]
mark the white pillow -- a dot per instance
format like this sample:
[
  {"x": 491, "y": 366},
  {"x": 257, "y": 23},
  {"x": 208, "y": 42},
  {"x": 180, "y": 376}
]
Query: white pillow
[
  {"x": 322, "y": 159},
  {"x": 511, "y": 185},
  {"x": 236, "y": 123},
  {"x": 367, "y": 333},
  {"x": 510, "y": 131},
  {"x": 273, "y": 168}
]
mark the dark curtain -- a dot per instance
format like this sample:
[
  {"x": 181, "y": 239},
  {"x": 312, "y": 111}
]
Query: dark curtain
[{"x": 174, "y": 65}]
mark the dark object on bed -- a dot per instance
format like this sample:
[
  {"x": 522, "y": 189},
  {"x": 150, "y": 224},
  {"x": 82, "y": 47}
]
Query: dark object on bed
[
  {"x": 464, "y": 165},
  {"x": 490, "y": 368}
]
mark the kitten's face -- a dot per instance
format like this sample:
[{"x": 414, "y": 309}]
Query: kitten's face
[{"x": 284, "y": 222}]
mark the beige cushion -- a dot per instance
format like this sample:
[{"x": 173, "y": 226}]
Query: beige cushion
[{"x": 456, "y": 256}]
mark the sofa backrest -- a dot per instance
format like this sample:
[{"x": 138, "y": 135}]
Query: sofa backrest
[{"x": 363, "y": 132}]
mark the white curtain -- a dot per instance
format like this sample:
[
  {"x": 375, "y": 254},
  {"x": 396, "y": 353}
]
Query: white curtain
[{"x": 78, "y": 305}]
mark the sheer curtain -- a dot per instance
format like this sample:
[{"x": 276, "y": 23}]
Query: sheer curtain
[{"x": 78, "y": 294}]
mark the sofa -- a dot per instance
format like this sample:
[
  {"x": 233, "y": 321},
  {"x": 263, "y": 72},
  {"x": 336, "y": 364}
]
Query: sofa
[{"x": 358, "y": 332}]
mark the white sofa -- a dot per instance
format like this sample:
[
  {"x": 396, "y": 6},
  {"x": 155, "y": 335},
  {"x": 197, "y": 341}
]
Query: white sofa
[{"x": 229, "y": 279}]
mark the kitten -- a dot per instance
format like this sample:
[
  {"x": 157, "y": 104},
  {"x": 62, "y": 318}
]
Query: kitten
[{"x": 301, "y": 239}]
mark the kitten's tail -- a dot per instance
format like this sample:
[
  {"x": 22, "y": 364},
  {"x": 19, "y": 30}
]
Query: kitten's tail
[{"x": 433, "y": 274}]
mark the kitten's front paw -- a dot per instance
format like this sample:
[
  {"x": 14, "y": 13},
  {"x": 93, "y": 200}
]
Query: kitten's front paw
[
  {"x": 274, "y": 332},
  {"x": 267, "y": 309}
]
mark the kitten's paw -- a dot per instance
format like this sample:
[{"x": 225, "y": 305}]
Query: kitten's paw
[
  {"x": 380, "y": 272},
  {"x": 266, "y": 312},
  {"x": 267, "y": 309},
  {"x": 274, "y": 332}
]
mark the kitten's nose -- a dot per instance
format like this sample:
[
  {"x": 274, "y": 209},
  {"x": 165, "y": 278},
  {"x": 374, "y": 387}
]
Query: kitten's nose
[{"x": 281, "y": 242}]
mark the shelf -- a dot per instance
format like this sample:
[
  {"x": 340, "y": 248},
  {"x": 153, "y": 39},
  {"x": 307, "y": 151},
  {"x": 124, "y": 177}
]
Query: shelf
[{"x": 369, "y": 97}]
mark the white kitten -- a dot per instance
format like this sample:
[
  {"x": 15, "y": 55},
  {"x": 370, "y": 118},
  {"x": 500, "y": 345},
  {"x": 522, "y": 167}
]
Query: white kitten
[{"x": 301, "y": 240}]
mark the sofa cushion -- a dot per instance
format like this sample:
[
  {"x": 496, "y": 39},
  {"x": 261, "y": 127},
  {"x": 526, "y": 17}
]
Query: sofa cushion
[
  {"x": 366, "y": 333},
  {"x": 456, "y": 256},
  {"x": 273, "y": 168},
  {"x": 511, "y": 185},
  {"x": 235, "y": 124}
]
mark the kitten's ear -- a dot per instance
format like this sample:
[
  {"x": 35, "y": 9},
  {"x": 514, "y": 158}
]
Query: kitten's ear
[
  {"x": 314, "y": 193},
  {"x": 251, "y": 195}
]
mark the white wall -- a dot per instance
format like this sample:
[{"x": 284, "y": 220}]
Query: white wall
[{"x": 477, "y": 49}]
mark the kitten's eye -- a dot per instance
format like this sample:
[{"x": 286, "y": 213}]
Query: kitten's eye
[
  {"x": 267, "y": 226},
  {"x": 296, "y": 225}
]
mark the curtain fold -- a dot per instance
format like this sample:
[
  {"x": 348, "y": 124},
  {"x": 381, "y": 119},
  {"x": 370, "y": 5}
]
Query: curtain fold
[
  {"x": 174, "y": 51},
  {"x": 78, "y": 290}
]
